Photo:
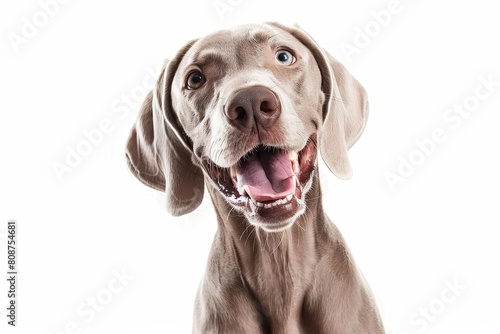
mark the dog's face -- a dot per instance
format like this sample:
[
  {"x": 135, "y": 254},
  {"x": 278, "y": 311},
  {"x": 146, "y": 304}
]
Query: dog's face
[
  {"x": 246, "y": 109},
  {"x": 252, "y": 109}
]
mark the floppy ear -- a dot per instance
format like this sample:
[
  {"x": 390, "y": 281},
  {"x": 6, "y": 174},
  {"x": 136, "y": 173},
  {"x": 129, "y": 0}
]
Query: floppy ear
[
  {"x": 345, "y": 110},
  {"x": 159, "y": 153},
  {"x": 344, "y": 119}
]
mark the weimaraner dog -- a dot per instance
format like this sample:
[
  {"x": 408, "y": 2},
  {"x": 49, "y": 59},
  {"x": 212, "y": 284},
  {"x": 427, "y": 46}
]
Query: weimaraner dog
[{"x": 244, "y": 112}]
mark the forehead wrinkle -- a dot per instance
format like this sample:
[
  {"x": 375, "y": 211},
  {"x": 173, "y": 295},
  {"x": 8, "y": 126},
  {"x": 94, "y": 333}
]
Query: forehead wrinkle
[
  {"x": 206, "y": 56},
  {"x": 282, "y": 40},
  {"x": 260, "y": 36},
  {"x": 249, "y": 45}
]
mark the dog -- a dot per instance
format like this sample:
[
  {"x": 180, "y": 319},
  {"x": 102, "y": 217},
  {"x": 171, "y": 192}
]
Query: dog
[{"x": 244, "y": 113}]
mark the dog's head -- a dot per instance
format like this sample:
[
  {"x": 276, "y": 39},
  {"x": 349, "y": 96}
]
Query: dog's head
[{"x": 245, "y": 110}]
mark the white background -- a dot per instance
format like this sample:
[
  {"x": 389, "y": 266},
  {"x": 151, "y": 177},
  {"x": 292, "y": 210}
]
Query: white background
[{"x": 440, "y": 225}]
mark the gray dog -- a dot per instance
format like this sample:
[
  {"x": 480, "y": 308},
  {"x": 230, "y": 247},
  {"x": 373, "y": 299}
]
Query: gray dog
[{"x": 244, "y": 112}]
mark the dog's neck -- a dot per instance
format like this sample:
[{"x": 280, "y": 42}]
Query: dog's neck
[{"x": 274, "y": 267}]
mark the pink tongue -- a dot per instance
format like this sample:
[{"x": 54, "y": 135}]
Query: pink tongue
[{"x": 266, "y": 176}]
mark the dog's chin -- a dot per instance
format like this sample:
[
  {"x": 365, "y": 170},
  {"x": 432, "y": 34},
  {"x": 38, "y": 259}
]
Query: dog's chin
[{"x": 268, "y": 184}]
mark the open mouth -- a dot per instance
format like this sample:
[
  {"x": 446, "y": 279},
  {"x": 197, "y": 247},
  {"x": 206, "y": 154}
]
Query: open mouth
[{"x": 268, "y": 181}]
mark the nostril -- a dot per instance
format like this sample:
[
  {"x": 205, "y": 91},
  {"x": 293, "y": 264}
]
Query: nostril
[
  {"x": 268, "y": 107},
  {"x": 236, "y": 113},
  {"x": 240, "y": 113}
]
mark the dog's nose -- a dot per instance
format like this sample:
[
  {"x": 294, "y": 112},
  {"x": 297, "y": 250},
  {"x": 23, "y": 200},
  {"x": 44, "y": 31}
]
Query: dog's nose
[{"x": 254, "y": 105}]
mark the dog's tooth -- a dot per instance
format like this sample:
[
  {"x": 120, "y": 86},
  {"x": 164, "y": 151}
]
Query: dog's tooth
[
  {"x": 294, "y": 159},
  {"x": 243, "y": 190},
  {"x": 253, "y": 208},
  {"x": 267, "y": 205},
  {"x": 289, "y": 197},
  {"x": 232, "y": 172}
]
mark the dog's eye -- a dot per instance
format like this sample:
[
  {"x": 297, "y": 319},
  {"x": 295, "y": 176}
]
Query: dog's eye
[
  {"x": 285, "y": 57},
  {"x": 195, "y": 80}
]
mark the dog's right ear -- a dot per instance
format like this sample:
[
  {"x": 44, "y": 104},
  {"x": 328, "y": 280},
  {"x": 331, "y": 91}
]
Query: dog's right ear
[{"x": 159, "y": 153}]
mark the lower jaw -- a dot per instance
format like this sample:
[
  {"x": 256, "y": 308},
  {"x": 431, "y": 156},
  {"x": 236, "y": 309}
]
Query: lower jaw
[
  {"x": 277, "y": 226},
  {"x": 275, "y": 218}
]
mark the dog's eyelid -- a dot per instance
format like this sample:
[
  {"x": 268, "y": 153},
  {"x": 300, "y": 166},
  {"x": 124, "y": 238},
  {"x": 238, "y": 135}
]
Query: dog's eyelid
[
  {"x": 285, "y": 48},
  {"x": 192, "y": 68}
]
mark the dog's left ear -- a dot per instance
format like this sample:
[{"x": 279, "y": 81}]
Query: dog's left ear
[{"x": 345, "y": 110}]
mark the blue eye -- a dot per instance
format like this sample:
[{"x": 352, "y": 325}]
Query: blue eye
[{"x": 284, "y": 57}]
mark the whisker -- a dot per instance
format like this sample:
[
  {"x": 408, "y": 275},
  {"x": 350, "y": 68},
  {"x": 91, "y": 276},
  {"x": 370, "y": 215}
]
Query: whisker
[
  {"x": 281, "y": 239},
  {"x": 244, "y": 229},
  {"x": 298, "y": 238},
  {"x": 249, "y": 234},
  {"x": 257, "y": 233},
  {"x": 229, "y": 213}
]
